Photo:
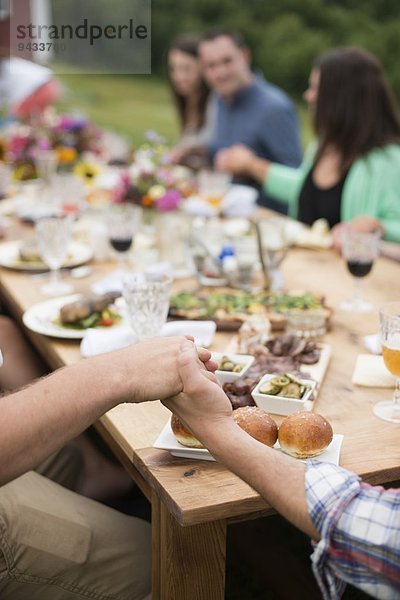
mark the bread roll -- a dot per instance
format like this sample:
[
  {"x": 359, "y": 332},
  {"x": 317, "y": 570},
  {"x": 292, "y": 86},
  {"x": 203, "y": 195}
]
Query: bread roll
[
  {"x": 253, "y": 420},
  {"x": 257, "y": 423},
  {"x": 183, "y": 435},
  {"x": 304, "y": 434}
]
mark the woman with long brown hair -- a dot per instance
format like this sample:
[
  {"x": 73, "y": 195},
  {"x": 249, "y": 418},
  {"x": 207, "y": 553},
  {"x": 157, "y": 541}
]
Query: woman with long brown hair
[
  {"x": 353, "y": 174},
  {"x": 191, "y": 93}
]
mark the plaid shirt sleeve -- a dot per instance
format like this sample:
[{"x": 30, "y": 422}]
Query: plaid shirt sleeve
[{"x": 359, "y": 525}]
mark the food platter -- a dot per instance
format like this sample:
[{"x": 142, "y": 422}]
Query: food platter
[
  {"x": 230, "y": 308},
  {"x": 167, "y": 441},
  {"x": 42, "y": 318},
  {"x": 78, "y": 254}
]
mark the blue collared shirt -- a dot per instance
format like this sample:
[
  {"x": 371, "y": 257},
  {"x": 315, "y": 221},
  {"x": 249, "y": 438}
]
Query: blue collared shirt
[{"x": 262, "y": 117}]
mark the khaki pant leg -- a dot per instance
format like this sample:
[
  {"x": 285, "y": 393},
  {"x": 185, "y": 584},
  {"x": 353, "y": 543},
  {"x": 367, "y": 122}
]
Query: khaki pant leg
[
  {"x": 57, "y": 545},
  {"x": 64, "y": 467}
]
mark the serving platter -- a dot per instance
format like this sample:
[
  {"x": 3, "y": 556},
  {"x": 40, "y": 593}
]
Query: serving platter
[
  {"x": 167, "y": 441},
  {"x": 230, "y": 308}
]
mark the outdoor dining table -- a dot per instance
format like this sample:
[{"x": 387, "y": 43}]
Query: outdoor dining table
[{"x": 193, "y": 501}]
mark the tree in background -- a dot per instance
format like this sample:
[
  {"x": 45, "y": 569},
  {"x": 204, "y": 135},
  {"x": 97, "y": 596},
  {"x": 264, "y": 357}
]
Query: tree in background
[{"x": 286, "y": 35}]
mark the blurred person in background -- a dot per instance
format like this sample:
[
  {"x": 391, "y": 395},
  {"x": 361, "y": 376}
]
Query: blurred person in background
[
  {"x": 352, "y": 175},
  {"x": 191, "y": 96},
  {"x": 249, "y": 109},
  {"x": 26, "y": 88}
]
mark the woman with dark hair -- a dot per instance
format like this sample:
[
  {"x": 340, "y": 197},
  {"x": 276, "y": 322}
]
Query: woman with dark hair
[
  {"x": 353, "y": 173},
  {"x": 191, "y": 93}
]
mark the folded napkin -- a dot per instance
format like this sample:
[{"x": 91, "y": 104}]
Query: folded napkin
[
  {"x": 240, "y": 201},
  {"x": 370, "y": 371},
  {"x": 111, "y": 283},
  {"x": 197, "y": 207},
  {"x": 99, "y": 341},
  {"x": 373, "y": 343}
]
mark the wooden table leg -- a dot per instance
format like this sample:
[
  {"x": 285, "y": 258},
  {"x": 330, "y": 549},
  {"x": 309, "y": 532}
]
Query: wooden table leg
[{"x": 188, "y": 562}]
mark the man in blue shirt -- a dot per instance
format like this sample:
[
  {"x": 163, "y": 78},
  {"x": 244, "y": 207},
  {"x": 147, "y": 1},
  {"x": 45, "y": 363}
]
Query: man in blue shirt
[{"x": 249, "y": 109}]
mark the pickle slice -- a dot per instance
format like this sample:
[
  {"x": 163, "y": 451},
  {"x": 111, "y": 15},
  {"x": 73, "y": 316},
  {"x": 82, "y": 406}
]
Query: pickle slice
[{"x": 269, "y": 388}]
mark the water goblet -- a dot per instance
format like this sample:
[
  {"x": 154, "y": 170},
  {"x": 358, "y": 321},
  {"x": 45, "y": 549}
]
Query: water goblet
[
  {"x": 213, "y": 185},
  {"x": 273, "y": 246},
  {"x": 389, "y": 320},
  {"x": 46, "y": 162},
  {"x": 147, "y": 301},
  {"x": 54, "y": 234},
  {"x": 359, "y": 251},
  {"x": 123, "y": 224}
]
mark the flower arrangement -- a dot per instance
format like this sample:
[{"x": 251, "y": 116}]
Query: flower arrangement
[
  {"x": 151, "y": 182},
  {"x": 69, "y": 136}
]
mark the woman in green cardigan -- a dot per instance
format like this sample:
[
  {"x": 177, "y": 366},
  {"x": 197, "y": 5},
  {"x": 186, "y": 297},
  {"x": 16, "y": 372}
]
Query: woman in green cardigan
[{"x": 353, "y": 174}]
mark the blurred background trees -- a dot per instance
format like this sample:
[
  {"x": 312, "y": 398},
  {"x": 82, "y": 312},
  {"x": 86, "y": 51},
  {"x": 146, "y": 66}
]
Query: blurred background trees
[{"x": 285, "y": 36}]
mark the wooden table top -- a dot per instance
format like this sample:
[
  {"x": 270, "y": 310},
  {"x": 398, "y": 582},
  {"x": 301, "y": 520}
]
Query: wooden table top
[{"x": 202, "y": 491}]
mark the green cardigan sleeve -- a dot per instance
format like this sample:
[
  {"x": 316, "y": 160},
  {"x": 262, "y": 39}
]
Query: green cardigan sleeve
[
  {"x": 284, "y": 183},
  {"x": 372, "y": 188}
]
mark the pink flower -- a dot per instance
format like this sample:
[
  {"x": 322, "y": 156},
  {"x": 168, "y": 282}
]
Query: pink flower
[{"x": 171, "y": 200}]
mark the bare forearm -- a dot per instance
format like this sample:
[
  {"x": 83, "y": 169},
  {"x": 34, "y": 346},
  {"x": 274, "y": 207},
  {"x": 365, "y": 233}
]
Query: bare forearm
[
  {"x": 41, "y": 418},
  {"x": 278, "y": 478},
  {"x": 258, "y": 169}
]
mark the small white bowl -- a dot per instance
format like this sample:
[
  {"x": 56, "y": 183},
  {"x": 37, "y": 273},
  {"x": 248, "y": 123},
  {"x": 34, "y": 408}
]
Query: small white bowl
[
  {"x": 279, "y": 405},
  {"x": 229, "y": 376}
]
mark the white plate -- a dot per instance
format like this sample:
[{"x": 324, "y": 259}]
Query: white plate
[
  {"x": 167, "y": 441},
  {"x": 40, "y": 318},
  {"x": 78, "y": 254}
]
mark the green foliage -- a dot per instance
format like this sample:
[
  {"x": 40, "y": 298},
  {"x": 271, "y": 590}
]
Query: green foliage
[{"x": 285, "y": 36}]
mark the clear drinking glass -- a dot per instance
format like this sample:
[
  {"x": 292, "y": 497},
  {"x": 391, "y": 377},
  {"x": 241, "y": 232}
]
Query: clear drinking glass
[
  {"x": 213, "y": 185},
  {"x": 389, "y": 318},
  {"x": 46, "y": 162},
  {"x": 273, "y": 246},
  {"x": 359, "y": 251},
  {"x": 123, "y": 224},
  {"x": 147, "y": 301},
  {"x": 54, "y": 234}
]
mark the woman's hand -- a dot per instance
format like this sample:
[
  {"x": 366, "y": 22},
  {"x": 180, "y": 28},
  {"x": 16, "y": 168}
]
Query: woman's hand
[{"x": 363, "y": 224}]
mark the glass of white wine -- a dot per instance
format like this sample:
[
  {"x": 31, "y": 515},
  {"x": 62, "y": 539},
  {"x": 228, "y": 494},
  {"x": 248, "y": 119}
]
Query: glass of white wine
[{"x": 389, "y": 318}]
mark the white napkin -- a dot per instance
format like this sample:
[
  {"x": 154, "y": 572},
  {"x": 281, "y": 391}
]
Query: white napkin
[
  {"x": 202, "y": 331},
  {"x": 240, "y": 201},
  {"x": 111, "y": 283},
  {"x": 197, "y": 207},
  {"x": 99, "y": 341},
  {"x": 370, "y": 371},
  {"x": 373, "y": 343}
]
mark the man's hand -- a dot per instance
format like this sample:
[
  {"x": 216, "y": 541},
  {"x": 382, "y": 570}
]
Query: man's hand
[
  {"x": 150, "y": 368},
  {"x": 202, "y": 405},
  {"x": 236, "y": 160}
]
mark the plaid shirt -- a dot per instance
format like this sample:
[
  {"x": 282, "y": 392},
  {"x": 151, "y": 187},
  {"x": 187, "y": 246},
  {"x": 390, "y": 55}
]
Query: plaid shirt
[{"x": 359, "y": 525}]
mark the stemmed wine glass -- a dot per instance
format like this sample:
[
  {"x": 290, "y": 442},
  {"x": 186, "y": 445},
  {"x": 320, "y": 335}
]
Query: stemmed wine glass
[
  {"x": 359, "y": 251},
  {"x": 123, "y": 224},
  {"x": 389, "y": 318},
  {"x": 54, "y": 234},
  {"x": 273, "y": 246}
]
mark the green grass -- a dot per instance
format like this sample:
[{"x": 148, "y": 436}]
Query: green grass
[
  {"x": 128, "y": 105},
  {"x": 131, "y": 104}
]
